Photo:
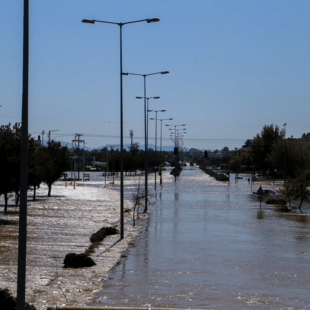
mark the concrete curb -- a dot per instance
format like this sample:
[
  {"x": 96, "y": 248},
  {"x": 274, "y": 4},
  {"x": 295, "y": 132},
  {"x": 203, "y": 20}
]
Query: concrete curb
[{"x": 112, "y": 308}]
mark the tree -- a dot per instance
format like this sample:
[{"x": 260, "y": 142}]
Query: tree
[
  {"x": 247, "y": 143},
  {"x": 9, "y": 161},
  {"x": 301, "y": 190},
  {"x": 289, "y": 156},
  {"x": 261, "y": 146},
  {"x": 35, "y": 168},
  {"x": 288, "y": 189},
  {"x": 54, "y": 160},
  {"x": 225, "y": 150},
  {"x": 236, "y": 162}
]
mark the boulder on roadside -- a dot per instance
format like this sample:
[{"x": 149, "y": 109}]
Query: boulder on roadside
[{"x": 73, "y": 260}]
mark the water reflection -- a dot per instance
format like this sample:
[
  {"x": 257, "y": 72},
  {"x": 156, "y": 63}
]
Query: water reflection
[
  {"x": 260, "y": 214},
  {"x": 206, "y": 244}
]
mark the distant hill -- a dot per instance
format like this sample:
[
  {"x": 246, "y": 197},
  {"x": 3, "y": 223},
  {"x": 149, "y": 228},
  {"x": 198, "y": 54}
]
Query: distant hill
[{"x": 166, "y": 148}]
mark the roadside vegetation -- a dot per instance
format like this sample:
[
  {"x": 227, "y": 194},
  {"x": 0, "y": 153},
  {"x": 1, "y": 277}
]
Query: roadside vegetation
[
  {"x": 8, "y": 302},
  {"x": 45, "y": 163}
]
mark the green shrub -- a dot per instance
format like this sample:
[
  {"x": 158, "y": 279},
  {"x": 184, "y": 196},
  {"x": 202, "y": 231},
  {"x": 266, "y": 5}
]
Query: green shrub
[
  {"x": 74, "y": 260},
  {"x": 8, "y": 302},
  {"x": 102, "y": 233},
  {"x": 276, "y": 201}
]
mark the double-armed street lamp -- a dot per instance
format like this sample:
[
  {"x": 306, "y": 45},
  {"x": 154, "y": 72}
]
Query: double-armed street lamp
[
  {"x": 161, "y": 144},
  {"x": 93, "y": 21},
  {"x": 175, "y": 128},
  {"x": 49, "y": 134},
  {"x": 156, "y": 111},
  {"x": 175, "y": 142},
  {"x": 145, "y": 130},
  {"x": 147, "y": 115}
]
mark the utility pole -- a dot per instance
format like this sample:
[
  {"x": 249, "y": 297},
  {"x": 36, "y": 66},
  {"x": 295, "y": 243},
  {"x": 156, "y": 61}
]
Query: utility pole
[
  {"x": 111, "y": 146},
  {"x": 49, "y": 134},
  {"x": 78, "y": 141},
  {"x": 131, "y": 137},
  {"x": 22, "y": 240},
  {"x": 83, "y": 160},
  {"x": 284, "y": 152},
  {"x": 43, "y": 132}
]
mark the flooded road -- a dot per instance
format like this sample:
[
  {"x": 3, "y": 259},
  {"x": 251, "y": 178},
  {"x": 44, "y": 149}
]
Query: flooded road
[{"x": 207, "y": 245}]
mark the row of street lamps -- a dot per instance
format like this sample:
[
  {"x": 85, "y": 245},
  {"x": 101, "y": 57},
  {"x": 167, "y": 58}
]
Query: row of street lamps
[
  {"x": 148, "y": 20},
  {"x": 24, "y": 146},
  {"x": 146, "y": 111}
]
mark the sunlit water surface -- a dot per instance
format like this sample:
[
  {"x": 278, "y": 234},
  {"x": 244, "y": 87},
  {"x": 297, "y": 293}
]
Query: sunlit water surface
[{"x": 207, "y": 245}]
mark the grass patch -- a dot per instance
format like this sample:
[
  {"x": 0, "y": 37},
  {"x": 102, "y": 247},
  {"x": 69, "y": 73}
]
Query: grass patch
[
  {"x": 274, "y": 201},
  {"x": 283, "y": 208}
]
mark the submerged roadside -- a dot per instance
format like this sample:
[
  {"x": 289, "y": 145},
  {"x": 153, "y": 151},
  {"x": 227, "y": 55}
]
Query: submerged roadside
[{"x": 59, "y": 225}]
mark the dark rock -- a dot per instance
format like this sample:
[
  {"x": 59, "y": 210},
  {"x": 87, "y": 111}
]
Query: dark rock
[{"x": 74, "y": 260}]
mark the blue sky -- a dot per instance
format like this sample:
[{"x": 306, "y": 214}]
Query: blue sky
[{"x": 234, "y": 66}]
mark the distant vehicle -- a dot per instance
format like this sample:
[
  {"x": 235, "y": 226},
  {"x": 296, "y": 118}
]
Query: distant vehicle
[{"x": 266, "y": 192}]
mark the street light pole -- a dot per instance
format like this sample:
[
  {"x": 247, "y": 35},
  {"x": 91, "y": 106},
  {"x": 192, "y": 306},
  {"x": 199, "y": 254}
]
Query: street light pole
[
  {"x": 161, "y": 145},
  {"x": 175, "y": 143},
  {"x": 22, "y": 245},
  {"x": 155, "y": 137},
  {"x": 145, "y": 132},
  {"x": 147, "y": 115},
  {"x": 49, "y": 134},
  {"x": 92, "y": 21}
]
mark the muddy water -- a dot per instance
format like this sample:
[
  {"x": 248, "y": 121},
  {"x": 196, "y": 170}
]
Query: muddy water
[{"x": 207, "y": 245}]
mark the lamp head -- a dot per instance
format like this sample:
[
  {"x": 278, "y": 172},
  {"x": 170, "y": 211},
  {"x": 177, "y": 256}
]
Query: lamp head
[
  {"x": 152, "y": 119},
  {"x": 152, "y": 20},
  {"x": 164, "y": 72},
  {"x": 150, "y": 110},
  {"x": 162, "y": 110},
  {"x": 167, "y": 125},
  {"x": 156, "y": 97},
  {"x": 183, "y": 125},
  {"x": 88, "y": 21},
  {"x": 170, "y": 119},
  {"x": 124, "y": 73},
  {"x": 139, "y": 97}
]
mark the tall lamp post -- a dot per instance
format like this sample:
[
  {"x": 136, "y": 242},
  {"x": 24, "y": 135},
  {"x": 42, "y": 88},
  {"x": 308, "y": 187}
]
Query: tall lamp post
[
  {"x": 21, "y": 271},
  {"x": 175, "y": 142},
  {"x": 284, "y": 152},
  {"x": 49, "y": 134},
  {"x": 92, "y": 21},
  {"x": 145, "y": 129},
  {"x": 161, "y": 144},
  {"x": 156, "y": 111},
  {"x": 147, "y": 115}
]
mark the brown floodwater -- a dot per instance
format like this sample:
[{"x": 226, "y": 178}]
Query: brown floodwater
[{"x": 207, "y": 245}]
